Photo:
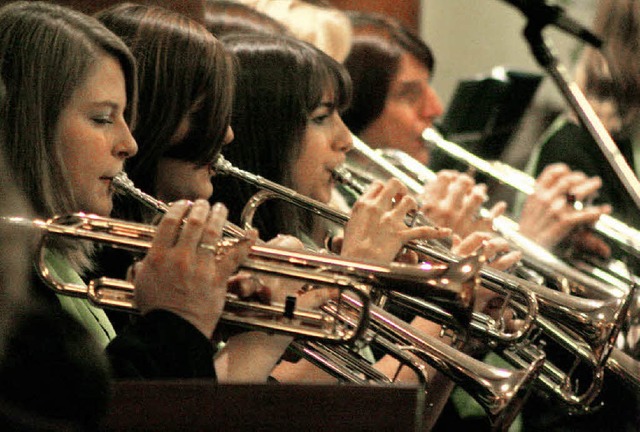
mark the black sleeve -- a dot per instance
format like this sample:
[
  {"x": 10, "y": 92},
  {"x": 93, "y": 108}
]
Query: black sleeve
[
  {"x": 574, "y": 146},
  {"x": 161, "y": 345},
  {"x": 157, "y": 345},
  {"x": 52, "y": 372}
]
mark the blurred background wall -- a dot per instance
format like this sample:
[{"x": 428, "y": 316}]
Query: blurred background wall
[{"x": 471, "y": 37}]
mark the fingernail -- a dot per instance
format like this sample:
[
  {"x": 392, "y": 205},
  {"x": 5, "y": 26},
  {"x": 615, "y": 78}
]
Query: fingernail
[{"x": 218, "y": 207}]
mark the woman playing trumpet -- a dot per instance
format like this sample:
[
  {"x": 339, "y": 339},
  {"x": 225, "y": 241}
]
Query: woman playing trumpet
[
  {"x": 65, "y": 139},
  {"x": 288, "y": 130},
  {"x": 180, "y": 62},
  {"x": 71, "y": 96}
]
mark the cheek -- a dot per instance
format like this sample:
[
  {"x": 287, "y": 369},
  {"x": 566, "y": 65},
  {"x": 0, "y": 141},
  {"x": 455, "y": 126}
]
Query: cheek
[
  {"x": 297, "y": 176},
  {"x": 80, "y": 166},
  {"x": 305, "y": 176},
  {"x": 399, "y": 117}
]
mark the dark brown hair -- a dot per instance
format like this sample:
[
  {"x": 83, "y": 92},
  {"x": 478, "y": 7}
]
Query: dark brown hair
[
  {"x": 377, "y": 47},
  {"x": 184, "y": 72},
  {"x": 282, "y": 80}
]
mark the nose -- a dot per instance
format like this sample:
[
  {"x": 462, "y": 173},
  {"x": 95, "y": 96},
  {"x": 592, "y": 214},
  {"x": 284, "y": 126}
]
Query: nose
[
  {"x": 431, "y": 107},
  {"x": 125, "y": 145},
  {"x": 343, "y": 140}
]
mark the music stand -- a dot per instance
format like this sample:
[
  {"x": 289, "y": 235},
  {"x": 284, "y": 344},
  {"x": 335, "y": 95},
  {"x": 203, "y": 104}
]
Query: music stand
[{"x": 485, "y": 112}]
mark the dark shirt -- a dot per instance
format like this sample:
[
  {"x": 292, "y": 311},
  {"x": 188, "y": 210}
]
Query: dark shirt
[
  {"x": 54, "y": 371},
  {"x": 570, "y": 143}
]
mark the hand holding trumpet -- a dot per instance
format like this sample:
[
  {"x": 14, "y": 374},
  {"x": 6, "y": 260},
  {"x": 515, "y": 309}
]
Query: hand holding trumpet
[
  {"x": 273, "y": 289},
  {"x": 377, "y": 228},
  {"x": 549, "y": 214},
  {"x": 454, "y": 200},
  {"x": 180, "y": 276}
]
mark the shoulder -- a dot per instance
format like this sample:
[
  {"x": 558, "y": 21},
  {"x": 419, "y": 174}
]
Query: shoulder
[{"x": 566, "y": 135}]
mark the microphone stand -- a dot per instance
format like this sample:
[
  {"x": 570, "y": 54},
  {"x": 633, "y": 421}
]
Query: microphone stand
[{"x": 576, "y": 99}]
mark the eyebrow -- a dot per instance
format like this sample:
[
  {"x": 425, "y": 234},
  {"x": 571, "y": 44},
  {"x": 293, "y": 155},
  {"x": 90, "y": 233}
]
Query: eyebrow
[
  {"x": 105, "y": 103},
  {"x": 410, "y": 84},
  {"x": 326, "y": 104}
]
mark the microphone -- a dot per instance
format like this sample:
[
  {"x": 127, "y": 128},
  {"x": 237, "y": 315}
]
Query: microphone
[{"x": 539, "y": 11}]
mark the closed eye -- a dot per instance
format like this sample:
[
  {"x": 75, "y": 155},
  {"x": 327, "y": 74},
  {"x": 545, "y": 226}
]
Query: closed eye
[
  {"x": 102, "y": 120},
  {"x": 320, "y": 119}
]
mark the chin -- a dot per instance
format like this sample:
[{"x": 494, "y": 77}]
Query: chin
[
  {"x": 206, "y": 195},
  {"x": 324, "y": 198},
  {"x": 101, "y": 210}
]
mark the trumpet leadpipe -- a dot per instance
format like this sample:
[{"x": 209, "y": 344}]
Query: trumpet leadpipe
[
  {"x": 284, "y": 317},
  {"x": 123, "y": 185}
]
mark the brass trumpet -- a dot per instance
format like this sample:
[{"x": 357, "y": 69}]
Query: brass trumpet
[
  {"x": 589, "y": 327},
  {"x": 566, "y": 277},
  {"x": 272, "y": 190},
  {"x": 450, "y": 287},
  {"x": 596, "y": 316},
  {"x": 625, "y": 236},
  {"x": 284, "y": 318},
  {"x": 592, "y": 319},
  {"x": 501, "y": 392}
]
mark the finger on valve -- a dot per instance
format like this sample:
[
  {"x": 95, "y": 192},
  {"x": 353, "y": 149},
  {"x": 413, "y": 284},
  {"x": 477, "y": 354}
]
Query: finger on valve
[
  {"x": 173, "y": 276},
  {"x": 499, "y": 254}
]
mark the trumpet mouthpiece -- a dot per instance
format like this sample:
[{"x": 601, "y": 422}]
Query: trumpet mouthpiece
[
  {"x": 121, "y": 183},
  {"x": 220, "y": 165}
]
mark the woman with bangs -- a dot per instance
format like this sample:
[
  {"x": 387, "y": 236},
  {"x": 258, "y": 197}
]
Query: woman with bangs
[
  {"x": 288, "y": 129},
  {"x": 186, "y": 87},
  {"x": 70, "y": 100}
]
